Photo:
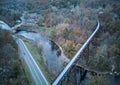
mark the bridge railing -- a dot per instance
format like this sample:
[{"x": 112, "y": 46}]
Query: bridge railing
[{"x": 76, "y": 56}]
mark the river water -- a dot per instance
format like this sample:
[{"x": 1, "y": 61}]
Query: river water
[
  {"x": 55, "y": 59},
  {"x": 52, "y": 53}
]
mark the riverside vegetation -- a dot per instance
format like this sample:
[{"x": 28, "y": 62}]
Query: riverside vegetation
[{"x": 70, "y": 23}]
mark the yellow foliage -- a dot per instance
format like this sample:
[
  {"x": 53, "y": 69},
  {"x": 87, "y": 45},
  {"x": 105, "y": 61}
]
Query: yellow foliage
[
  {"x": 70, "y": 47},
  {"x": 61, "y": 27},
  {"x": 66, "y": 20}
]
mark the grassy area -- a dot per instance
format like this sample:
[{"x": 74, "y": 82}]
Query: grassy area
[{"x": 39, "y": 59}]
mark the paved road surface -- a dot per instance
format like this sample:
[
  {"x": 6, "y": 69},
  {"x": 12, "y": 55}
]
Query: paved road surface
[{"x": 32, "y": 65}]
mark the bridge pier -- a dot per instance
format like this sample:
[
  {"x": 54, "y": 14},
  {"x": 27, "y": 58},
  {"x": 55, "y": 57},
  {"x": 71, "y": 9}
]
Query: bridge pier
[{"x": 77, "y": 74}]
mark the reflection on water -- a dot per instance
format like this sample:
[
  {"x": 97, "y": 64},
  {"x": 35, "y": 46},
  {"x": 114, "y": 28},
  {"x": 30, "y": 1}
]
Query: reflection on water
[
  {"x": 52, "y": 53},
  {"x": 55, "y": 60},
  {"x": 54, "y": 57}
]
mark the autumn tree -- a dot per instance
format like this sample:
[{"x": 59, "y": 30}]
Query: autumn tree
[{"x": 10, "y": 63}]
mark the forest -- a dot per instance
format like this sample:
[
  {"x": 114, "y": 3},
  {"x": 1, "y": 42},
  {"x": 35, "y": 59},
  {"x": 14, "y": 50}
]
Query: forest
[{"x": 68, "y": 23}]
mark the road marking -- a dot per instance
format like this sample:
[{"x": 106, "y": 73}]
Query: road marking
[{"x": 30, "y": 59}]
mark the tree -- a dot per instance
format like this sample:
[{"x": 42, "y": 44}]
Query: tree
[{"x": 10, "y": 63}]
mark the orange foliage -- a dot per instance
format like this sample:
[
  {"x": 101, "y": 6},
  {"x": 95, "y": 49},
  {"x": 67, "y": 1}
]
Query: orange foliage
[
  {"x": 70, "y": 47},
  {"x": 77, "y": 32},
  {"x": 84, "y": 36},
  {"x": 76, "y": 29}
]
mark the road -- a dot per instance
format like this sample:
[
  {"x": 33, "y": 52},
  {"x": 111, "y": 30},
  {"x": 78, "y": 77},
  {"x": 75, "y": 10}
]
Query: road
[
  {"x": 76, "y": 56},
  {"x": 22, "y": 22},
  {"x": 32, "y": 65},
  {"x": 3, "y": 25}
]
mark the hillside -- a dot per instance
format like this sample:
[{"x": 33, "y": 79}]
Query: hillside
[
  {"x": 11, "y": 70},
  {"x": 69, "y": 23}
]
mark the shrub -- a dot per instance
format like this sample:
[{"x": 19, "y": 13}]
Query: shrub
[{"x": 51, "y": 32}]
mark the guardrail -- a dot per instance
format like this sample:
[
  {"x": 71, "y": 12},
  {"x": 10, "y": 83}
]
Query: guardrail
[
  {"x": 35, "y": 71},
  {"x": 76, "y": 56}
]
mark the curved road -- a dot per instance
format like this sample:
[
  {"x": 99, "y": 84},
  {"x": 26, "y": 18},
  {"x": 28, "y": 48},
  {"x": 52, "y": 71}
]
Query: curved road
[{"x": 32, "y": 65}]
